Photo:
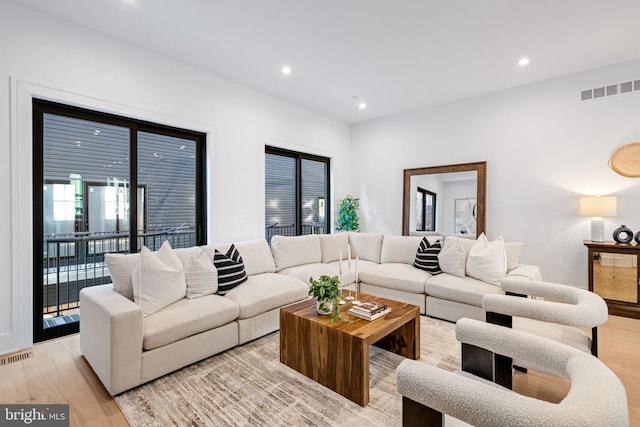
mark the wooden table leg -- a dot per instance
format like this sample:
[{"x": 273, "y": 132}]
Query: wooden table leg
[{"x": 404, "y": 341}]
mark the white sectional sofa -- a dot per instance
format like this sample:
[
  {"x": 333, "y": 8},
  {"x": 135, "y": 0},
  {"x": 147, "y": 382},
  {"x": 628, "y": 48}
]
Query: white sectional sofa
[
  {"x": 386, "y": 269},
  {"x": 126, "y": 348}
]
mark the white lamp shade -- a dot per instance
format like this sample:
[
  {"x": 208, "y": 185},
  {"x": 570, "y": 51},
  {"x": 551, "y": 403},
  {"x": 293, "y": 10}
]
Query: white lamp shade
[{"x": 598, "y": 206}]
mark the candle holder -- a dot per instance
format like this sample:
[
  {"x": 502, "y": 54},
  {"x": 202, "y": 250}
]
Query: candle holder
[
  {"x": 341, "y": 300},
  {"x": 355, "y": 300}
]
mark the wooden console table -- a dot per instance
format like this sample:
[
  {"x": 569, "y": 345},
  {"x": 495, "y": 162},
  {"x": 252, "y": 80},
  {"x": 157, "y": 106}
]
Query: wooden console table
[{"x": 614, "y": 275}]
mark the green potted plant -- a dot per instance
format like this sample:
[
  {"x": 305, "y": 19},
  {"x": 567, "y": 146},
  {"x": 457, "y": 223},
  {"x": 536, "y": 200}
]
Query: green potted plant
[
  {"x": 326, "y": 290},
  {"x": 348, "y": 214}
]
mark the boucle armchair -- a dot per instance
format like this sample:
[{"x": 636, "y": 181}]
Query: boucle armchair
[
  {"x": 596, "y": 397},
  {"x": 558, "y": 316}
]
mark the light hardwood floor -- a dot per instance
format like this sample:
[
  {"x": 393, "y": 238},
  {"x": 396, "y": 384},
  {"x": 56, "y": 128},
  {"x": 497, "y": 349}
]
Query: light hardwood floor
[{"x": 57, "y": 373}]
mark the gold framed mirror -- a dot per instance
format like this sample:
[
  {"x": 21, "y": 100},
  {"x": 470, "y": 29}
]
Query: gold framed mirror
[{"x": 446, "y": 173}]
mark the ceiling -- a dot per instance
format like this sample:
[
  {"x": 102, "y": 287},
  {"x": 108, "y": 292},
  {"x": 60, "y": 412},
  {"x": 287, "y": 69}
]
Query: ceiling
[{"x": 395, "y": 55}]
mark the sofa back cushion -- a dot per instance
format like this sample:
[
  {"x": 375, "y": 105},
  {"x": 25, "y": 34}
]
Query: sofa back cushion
[
  {"x": 333, "y": 245},
  {"x": 255, "y": 254},
  {"x": 366, "y": 246},
  {"x": 298, "y": 250},
  {"x": 401, "y": 249}
]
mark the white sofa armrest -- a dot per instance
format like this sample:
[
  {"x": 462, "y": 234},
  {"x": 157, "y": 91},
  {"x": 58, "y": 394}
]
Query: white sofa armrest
[
  {"x": 571, "y": 306},
  {"x": 111, "y": 337},
  {"x": 531, "y": 272}
]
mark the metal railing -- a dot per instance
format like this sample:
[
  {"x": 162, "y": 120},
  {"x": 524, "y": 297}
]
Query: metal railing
[
  {"x": 73, "y": 262},
  {"x": 276, "y": 229}
]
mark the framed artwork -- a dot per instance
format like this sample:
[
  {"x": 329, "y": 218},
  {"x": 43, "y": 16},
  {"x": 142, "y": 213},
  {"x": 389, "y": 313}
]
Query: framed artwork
[{"x": 465, "y": 216}]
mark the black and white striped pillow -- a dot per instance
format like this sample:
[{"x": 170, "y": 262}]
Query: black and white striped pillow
[
  {"x": 427, "y": 256},
  {"x": 230, "y": 269}
]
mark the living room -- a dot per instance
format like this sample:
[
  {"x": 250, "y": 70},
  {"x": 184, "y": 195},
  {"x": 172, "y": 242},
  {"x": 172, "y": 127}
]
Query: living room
[{"x": 544, "y": 147}]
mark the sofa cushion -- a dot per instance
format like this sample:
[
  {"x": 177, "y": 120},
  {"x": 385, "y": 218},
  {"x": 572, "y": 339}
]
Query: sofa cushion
[
  {"x": 466, "y": 290},
  {"x": 513, "y": 254},
  {"x": 265, "y": 292},
  {"x": 315, "y": 270},
  {"x": 201, "y": 276},
  {"x": 349, "y": 276},
  {"x": 185, "y": 318},
  {"x": 452, "y": 258},
  {"x": 487, "y": 260},
  {"x": 291, "y": 251},
  {"x": 158, "y": 280},
  {"x": 121, "y": 267},
  {"x": 230, "y": 269},
  {"x": 333, "y": 245},
  {"x": 256, "y": 256},
  {"x": 399, "y": 249},
  {"x": 366, "y": 246},
  {"x": 400, "y": 276}
]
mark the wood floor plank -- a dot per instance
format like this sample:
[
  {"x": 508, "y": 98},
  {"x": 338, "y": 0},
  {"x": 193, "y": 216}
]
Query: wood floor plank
[{"x": 58, "y": 373}]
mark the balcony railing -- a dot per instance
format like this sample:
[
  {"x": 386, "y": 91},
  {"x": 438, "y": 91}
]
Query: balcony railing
[
  {"x": 290, "y": 230},
  {"x": 73, "y": 262}
]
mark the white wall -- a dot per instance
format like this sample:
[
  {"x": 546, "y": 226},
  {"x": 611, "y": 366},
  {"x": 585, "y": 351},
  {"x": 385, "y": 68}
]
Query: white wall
[
  {"x": 43, "y": 56},
  {"x": 432, "y": 183},
  {"x": 544, "y": 148}
]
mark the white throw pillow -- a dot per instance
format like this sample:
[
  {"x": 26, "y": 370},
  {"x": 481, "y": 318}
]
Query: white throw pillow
[
  {"x": 159, "y": 279},
  {"x": 487, "y": 260},
  {"x": 452, "y": 258},
  {"x": 121, "y": 267},
  {"x": 201, "y": 276}
]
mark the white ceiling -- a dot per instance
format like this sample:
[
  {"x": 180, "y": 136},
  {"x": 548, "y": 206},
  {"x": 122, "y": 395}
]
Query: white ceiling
[{"x": 397, "y": 55}]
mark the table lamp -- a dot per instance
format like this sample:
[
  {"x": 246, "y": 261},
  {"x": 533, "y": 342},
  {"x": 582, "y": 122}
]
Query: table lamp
[{"x": 596, "y": 207}]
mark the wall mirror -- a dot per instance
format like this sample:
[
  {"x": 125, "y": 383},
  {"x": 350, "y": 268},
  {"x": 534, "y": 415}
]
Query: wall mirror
[{"x": 445, "y": 199}]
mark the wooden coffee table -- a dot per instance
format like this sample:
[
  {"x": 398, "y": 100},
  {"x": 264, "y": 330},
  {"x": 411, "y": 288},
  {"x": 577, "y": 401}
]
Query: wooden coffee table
[{"x": 337, "y": 354}]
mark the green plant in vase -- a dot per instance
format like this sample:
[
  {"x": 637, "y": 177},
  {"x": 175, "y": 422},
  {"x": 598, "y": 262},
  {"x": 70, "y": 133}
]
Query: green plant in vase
[
  {"x": 348, "y": 214},
  {"x": 326, "y": 290}
]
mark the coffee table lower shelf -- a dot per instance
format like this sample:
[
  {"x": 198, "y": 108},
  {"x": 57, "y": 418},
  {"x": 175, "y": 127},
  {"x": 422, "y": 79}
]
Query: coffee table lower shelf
[{"x": 336, "y": 355}]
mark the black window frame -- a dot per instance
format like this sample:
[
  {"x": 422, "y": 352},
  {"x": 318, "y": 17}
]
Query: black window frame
[
  {"x": 40, "y": 107},
  {"x": 299, "y": 157},
  {"x": 433, "y": 195}
]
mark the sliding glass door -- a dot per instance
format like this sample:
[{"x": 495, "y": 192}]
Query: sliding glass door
[{"x": 85, "y": 167}]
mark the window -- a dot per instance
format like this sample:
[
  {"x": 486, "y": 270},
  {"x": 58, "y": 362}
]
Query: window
[
  {"x": 86, "y": 164},
  {"x": 425, "y": 210},
  {"x": 296, "y": 193}
]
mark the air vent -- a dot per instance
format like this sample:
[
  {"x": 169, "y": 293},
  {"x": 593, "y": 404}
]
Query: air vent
[
  {"x": 610, "y": 90},
  {"x": 15, "y": 357}
]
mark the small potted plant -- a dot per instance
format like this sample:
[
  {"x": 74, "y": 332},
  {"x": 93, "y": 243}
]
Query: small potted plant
[{"x": 326, "y": 290}]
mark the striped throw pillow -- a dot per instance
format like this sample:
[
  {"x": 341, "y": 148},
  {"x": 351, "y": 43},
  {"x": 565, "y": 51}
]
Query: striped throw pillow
[
  {"x": 427, "y": 256},
  {"x": 230, "y": 269}
]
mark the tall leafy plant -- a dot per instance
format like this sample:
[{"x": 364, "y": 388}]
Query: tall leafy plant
[{"x": 348, "y": 214}]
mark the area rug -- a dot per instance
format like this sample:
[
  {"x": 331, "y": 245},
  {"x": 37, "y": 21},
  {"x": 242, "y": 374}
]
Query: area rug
[{"x": 248, "y": 386}]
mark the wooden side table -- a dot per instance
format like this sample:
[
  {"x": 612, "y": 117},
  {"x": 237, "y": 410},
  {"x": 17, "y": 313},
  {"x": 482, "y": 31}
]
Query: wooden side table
[{"x": 614, "y": 275}]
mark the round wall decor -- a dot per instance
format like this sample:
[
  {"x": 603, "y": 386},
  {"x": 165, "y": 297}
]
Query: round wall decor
[
  {"x": 637, "y": 237},
  {"x": 626, "y": 160},
  {"x": 622, "y": 234}
]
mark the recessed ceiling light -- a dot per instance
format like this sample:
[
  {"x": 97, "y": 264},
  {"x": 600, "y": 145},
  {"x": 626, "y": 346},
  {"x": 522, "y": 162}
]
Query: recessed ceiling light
[
  {"x": 524, "y": 61},
  {"x": 362, "y": 105},
  {"x": 286, "y": 70}
]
